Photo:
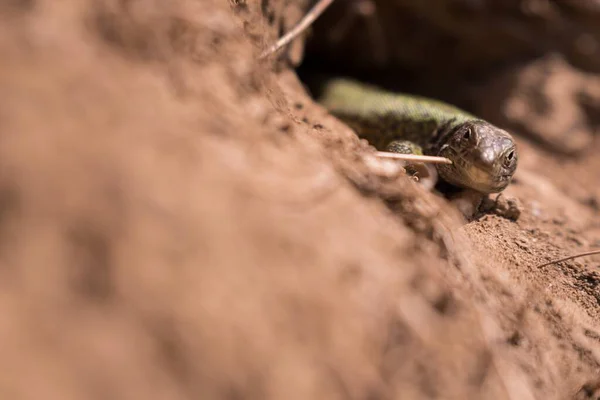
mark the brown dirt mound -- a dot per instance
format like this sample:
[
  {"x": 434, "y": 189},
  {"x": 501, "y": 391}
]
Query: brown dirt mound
[{"x": 179, "y": 221}]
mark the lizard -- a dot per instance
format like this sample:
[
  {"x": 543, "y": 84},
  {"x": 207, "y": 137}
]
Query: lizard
[{"x": 484, "y": 157}]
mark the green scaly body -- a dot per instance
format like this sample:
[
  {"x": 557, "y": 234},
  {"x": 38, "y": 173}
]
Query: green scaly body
[{"x": 381, "y": 117}]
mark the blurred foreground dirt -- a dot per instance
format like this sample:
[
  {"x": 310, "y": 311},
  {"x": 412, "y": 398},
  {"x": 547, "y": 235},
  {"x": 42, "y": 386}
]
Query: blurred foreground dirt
[{"x": 179, "y": 221}]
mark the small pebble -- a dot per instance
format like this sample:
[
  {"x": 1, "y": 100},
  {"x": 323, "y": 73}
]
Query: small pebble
[{"x": 508, "y": 207}]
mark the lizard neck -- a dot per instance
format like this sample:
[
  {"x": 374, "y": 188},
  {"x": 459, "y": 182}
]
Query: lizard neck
[{"x": 442, "y": 134}]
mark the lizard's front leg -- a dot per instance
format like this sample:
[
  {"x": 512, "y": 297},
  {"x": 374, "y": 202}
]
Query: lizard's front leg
[{"x": 426, "y": 174}]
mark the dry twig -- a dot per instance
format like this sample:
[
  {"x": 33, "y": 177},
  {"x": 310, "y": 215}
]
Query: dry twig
[
  {"x": 414, "y": 158},
  {"x": 587, "y": 253},
  {"x": 304, "y": 23}
]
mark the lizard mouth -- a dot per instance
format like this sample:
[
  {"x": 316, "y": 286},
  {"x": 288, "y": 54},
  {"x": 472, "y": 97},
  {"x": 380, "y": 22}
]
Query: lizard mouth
[{"x": 467, "y": 172}]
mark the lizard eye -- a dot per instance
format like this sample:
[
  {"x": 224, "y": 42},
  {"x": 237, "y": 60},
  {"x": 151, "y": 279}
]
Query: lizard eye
[{"x": 467, "y": 134}]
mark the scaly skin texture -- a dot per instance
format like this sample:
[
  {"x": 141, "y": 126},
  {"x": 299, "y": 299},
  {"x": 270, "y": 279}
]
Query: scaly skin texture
[{"x": 484, "y": 157}]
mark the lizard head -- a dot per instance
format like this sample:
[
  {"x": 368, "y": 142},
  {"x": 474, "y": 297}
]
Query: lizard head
[{"x": 484, "y": 157}]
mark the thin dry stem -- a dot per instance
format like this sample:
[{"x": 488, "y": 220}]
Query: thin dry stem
[
  {"x": 587, "y": 253},
  {"x": 304, "y": 23},
  {"x": 414, "y": 158}
]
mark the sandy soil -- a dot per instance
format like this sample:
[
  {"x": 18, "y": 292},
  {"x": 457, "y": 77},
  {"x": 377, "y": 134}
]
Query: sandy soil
[{"x": 178, "y": 220}]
